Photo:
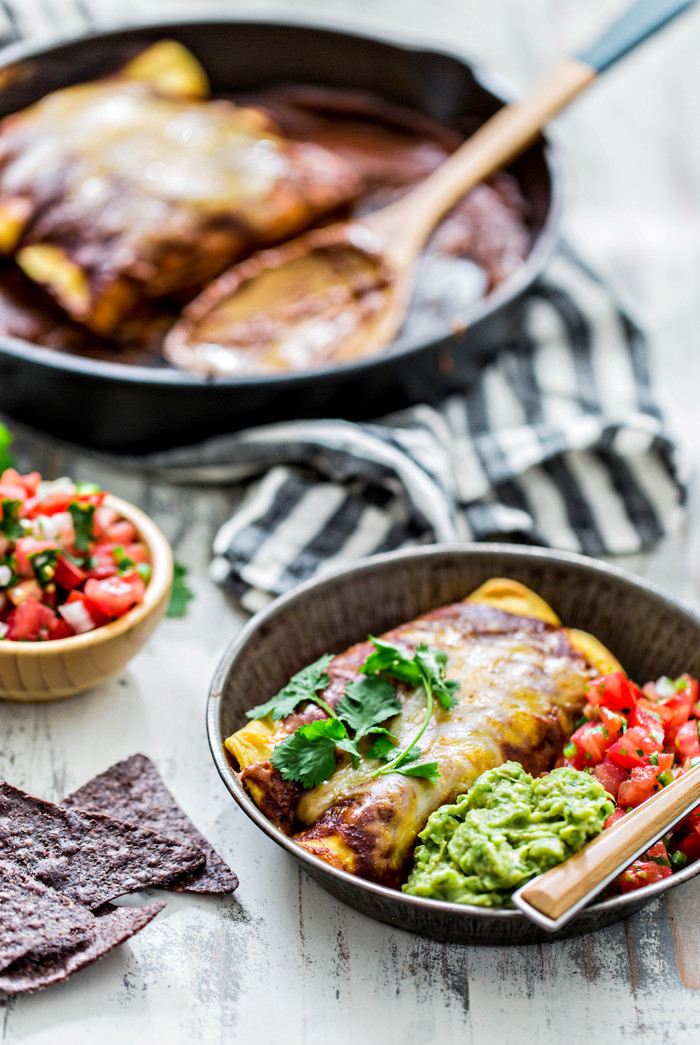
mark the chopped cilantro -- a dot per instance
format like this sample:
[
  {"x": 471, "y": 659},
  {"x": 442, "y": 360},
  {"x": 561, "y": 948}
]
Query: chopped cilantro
[
  {"x": 82, "y": 487},
  {"x": 679, "y": 859},
  {"x": 122, "y": 559},
  {"x": 570, "y": 751},
  {"x": 9, "y": 523},
  {"x": 180, "y": 594},
  {"x": 82, "y": 524},
  {"x": 44, "y": 564}
]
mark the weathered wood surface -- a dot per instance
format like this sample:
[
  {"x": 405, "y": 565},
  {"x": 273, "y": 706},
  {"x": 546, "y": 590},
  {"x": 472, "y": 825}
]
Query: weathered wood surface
[{"x": 283, "y": 960}]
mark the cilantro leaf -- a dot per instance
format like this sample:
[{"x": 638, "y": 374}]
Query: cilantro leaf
[
  {"x": 392, "y": 660},
  {"x": 384, "y": 747},
  {"x": 9, "y": 523},
  {"x": 432, "y": 664},
  {"x": 366, "y": 703},
  {"x": 6, "y": 459},
  {"x": 82, "y": 524},
  {"x": 308, "y": 756},
  {"x": 180, "y": 594},
  {"x": 430, "y": 770},
  {"x": 302, "y": 686}
]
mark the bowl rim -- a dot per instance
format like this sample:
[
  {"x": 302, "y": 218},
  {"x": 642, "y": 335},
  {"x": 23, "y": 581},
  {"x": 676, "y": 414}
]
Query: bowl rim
[
  {"x": 157, "y": 590},
  {"x": 481, "y": 309},
  {"x": 320, "y": 868}
]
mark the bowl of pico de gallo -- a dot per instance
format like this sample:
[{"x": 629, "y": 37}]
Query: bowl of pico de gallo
[{"x": 84, "y": 580}]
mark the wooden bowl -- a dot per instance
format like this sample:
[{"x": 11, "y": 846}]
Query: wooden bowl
[
  {"x": 652, "y": 633},
  {"x": 42, "y": 671}
]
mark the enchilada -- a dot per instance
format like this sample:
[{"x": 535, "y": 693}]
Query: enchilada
[{"x": 522, "y": 681}]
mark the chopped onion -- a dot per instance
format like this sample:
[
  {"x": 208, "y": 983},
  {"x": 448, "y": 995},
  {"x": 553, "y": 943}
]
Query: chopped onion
[
  {"x": 4, "y": 628},
  {"x": 77, "y": 615},
  {"x": 5, "y": 575}
]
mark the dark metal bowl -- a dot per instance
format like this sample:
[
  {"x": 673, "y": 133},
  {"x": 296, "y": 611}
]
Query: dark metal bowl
[
  {"x": 650, "y": 631},
  {"x": 134, "y": 408}
]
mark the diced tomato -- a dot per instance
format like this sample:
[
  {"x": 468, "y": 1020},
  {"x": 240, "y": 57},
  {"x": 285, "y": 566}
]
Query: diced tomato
[
  {"x": 687, "y": 740},
  {"x": 641, "y": 873},
  {"x": 591, "y": 741},
  {"x": 59, "y": 628},
  {"x": 30, "y": 621},
  {"x": 27, "y": 483},
  {"x": 617, "y": 814},
  {"x": 102, "y": 519},
  {"x": 689, "y": 843},
  {"x": 29, "y": 589},
  {"x": 649, "y": 721},
  {"x": 137, "y": 552},
  {"x": 614, "y": 691},
  {"x": 613, "y": 722},
  {"x": 16, "y": 487},
  {"x": 611, "y": 775},
  {"x": 86, "y": 609},
  {"x": 641, "y": 785},
  {"x": 115, "y": 595},
  {"x": 662, "y": 761},
  {"x": 67, "y": 574},
  {"x": 122, "y": 531},
  {"x": 102, "y": 561},
  {"x": 26, "y": 546},
  {"x": 632, "y": 746}
]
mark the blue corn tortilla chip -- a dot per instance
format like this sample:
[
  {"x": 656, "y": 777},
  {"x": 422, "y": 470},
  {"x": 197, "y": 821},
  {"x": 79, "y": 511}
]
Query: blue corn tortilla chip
[
  {"x": 115, "y": 925},
  {"x": 87, "y": 856},
  {"x": 133, "y": 791},
  {"x": 36, "y": 920}
]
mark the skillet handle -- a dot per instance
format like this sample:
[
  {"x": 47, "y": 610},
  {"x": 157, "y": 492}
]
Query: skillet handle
[{"x": 638, "y": 22}]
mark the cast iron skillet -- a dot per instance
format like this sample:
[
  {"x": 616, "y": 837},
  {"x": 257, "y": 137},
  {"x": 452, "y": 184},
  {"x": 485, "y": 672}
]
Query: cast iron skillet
[
  {"x": 136, "y": 408},
  {"x": 650, "y": 631}
]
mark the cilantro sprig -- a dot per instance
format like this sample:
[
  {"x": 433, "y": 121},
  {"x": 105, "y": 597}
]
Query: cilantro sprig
[
  {"x": 426, "y": 667},
  {"x": 308, "y": 754}
]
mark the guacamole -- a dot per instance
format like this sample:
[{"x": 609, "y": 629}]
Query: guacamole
[{"x": 507, "y": 829}]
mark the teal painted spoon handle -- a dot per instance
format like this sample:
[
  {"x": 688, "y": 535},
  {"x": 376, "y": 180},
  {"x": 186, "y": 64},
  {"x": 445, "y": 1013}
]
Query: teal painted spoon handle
[{"x": 638, "y": 22}]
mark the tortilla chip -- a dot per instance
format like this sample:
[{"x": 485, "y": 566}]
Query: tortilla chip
[
  {"x": 133, "y": 791},
  {"x": 89, "y": 857},
  {"x": 113, "y": 927},
  {"x": 36, "y": 920}
]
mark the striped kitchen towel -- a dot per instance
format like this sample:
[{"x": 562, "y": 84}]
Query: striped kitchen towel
[{"x": 559, "y": 442}]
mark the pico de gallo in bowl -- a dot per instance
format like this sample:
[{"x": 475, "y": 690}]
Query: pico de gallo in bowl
[
  {"x": 636, "y": 741},
  {"x": 85, "y": 579},
  {"x": 69, "y": 561}
]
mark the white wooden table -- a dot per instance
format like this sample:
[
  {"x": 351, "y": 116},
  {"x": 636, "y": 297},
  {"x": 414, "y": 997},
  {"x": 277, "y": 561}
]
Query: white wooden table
[{"x": 283, "y": 961}]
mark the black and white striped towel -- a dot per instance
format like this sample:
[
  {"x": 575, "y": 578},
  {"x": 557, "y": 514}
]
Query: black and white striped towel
[{"x": 559, "y": 442}]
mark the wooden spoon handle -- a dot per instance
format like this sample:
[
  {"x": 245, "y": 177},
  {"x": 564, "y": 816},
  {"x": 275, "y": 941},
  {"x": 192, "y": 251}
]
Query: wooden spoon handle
[
  {"x": 490, "y": 148},
  {"x": 563, "y": 890},
  {"x": 497, "y": 142}
]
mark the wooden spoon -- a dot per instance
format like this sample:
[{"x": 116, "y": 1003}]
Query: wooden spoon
[
  {"x": 553, "y": 898},
  {"x": 342, "y": 292}
]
